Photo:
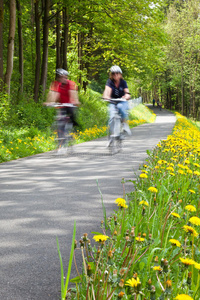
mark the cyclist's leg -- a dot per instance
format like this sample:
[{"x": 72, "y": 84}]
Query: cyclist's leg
[
  {"x": 61, "y": 123},
  {"x": 111, "y": 110},
  {"x": 123, "y": 110},
  {"x": 71, "y": 111},
  {"x": 111, "y": 113}
]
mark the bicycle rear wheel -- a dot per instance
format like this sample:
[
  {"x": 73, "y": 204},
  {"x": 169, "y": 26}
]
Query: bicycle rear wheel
[
  {"x": 63, "y": 130},
  {"x": 114, "y": 135}
]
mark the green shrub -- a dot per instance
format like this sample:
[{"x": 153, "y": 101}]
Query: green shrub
[
  {"x": 31, "y": 114},
  {"x": 17, "y": 143},
  {"x": 4, "y": 107},
  {"x": 141, "y": 112},
  {"x": 93, "y": 111}
]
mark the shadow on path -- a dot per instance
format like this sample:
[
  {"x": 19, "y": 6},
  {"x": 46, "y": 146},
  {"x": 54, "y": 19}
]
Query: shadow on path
[{"x": 41, "y": 196}]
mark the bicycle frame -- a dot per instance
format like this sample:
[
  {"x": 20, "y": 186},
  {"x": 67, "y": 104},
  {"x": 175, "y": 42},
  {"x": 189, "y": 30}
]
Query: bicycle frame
[
  {"x": 64, "y": 126},
  {"x": 115, "y": 132}
]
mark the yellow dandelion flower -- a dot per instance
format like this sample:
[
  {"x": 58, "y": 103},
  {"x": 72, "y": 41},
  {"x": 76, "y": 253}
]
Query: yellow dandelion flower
[
  {"x": 175, "y": 215},
  {"x": 195, "y": 221},
  {"x": 196, "y": 165},
  {"x": 100, "y": 238},
  {"x": 181, "y": 166},
  {"x": 121, "y": 295},
  {"x": 143, "y": 175},
  {"x": 170, "y": 169},
  {"x": 189, "y": 171},
  {"x": 139, "y": 239},
  {"x": 152, "y": 189},
  {"x": 190, "y": 208},
  {"x": 187, "y": 161},
  {"x": 181, "y": 172},
  {"x": 192, "y": 191},
  {"x": 183, "y": 297},
  {"x": 133, "y": 282},
  {"x": 144, "y": 202},
  {"x": 157, "y": 268},
  {"x": 196, "y": 173},
  {"x": 197, "y": 266},
  {"x": 175, "y": 242},
  {"x": 187, "y": 261},
  {"x": 168, "y": 283},
  {"x": 121, "y": 202},
  {"x": 191, "y": 230}
]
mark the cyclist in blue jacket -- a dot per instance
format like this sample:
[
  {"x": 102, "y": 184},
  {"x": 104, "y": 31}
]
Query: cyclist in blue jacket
[{"x": 116, "y": 87}]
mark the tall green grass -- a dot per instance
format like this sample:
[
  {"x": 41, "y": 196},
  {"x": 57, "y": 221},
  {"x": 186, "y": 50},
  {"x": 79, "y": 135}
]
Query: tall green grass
[
  {"x": 28, "y": 136},
  {"x": 149, "y": 247}
]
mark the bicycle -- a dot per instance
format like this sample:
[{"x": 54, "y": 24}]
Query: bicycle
[
  {"x": 63, "y": 127},
  {"x": 116, "y": 130}
]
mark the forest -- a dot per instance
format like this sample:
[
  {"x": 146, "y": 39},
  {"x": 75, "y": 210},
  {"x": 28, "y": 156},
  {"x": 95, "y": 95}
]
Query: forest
[{"x": 156, "y": 43}]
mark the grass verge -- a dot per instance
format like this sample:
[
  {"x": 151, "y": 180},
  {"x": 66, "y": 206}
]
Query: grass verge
[
  {"x": 17, "y": 143},
  {"x": 149, "y": 247}
]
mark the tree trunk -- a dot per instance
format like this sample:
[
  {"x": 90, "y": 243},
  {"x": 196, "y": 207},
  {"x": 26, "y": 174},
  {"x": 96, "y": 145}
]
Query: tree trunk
[
  {"x": 1, "y": 44},
  {"x": 65, "y": 36},
  {"x": 80, "y": 56},
  {"x": 20, "y": 36},
  {"x": 43, "y": 79},
  {"x": 38, "y": 49},
  {"x": 10, "y": 52},
  {"x": 58, "y": 41},
  {"x": 182, "y": 94}
]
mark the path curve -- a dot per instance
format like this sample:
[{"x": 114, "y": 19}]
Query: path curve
[{"x": 41, "y": 196}]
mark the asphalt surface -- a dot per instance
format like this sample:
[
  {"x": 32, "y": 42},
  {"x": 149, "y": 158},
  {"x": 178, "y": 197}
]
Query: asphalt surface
[{"x": 41, "y": 196}]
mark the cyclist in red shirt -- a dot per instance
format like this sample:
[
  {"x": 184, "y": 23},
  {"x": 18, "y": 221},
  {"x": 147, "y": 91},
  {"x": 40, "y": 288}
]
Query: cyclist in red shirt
[{"x": 66, "y": 92}]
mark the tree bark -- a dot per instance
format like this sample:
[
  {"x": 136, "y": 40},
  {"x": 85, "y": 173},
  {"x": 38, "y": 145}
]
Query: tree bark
[
  {"x": 38, "y": 50},
  {"x": 10, "y": 52},
  {"x": 182, "y": 95},
  {"x": 1, "y": 44},
  {"x": 58, "y": 41},
  {"x": 45, "y": 45},
  {"x": 80, "y": 65},
  {"x": 20, "y": 37},
  {"x": 65, "y": 36}
]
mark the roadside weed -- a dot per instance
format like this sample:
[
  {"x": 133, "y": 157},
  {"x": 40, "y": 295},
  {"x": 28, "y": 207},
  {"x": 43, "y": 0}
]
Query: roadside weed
[{"x": 149, "y": 248}]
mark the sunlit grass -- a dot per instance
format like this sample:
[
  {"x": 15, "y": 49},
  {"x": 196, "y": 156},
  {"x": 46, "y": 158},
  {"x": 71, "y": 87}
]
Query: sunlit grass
[
  {"x": 151, "y": 249},
  {"x": 18, "y": 143}
]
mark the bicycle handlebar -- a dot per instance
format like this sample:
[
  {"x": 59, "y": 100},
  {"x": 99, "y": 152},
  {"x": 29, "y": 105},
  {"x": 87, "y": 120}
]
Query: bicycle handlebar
[
  {"x": 114, "y": 100},
  {"x": 54, "y": 104}
]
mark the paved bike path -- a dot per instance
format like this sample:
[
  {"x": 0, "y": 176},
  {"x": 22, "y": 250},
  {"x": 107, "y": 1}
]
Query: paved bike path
[{"x": 41, "y": 196}]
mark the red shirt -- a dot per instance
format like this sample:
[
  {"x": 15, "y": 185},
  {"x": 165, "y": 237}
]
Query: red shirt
[{"x": 63, "y": 89}]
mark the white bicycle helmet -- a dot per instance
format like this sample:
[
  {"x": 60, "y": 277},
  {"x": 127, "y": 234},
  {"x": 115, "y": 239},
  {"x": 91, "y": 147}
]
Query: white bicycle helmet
[
  {"x": 115, "y": 69},
  {"x": 61, "y": 72}
]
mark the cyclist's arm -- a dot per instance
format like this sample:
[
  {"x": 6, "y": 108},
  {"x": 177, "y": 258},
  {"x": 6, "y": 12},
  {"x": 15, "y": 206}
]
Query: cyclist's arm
[
  {"x": 127, "y": 95},
  {"x": 107, "y": 92},
  {"x": 73, "y": 95}
]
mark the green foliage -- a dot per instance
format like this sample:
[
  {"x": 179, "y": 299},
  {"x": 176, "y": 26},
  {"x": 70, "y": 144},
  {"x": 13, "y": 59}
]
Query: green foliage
[
  {"x": 93, "y": 110},
  {"x": 30, "y": 135},
  {"x": 4, "y": 108},
  {"x": 146, "y": 247},
  {"x": 142, "y": 112},
  {"x": 64, "y": 284},
  {"x": 29, "y": 113},
  {"x": 17, "y": 143}
]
